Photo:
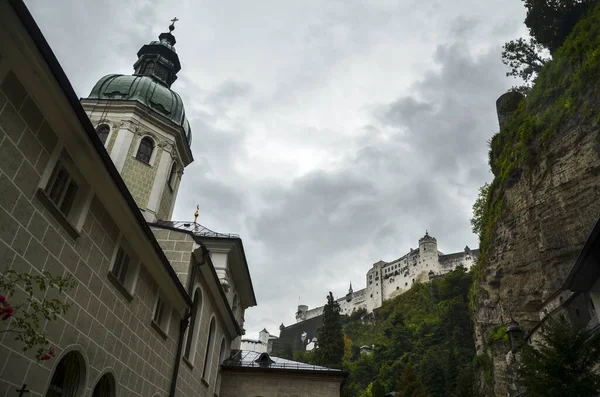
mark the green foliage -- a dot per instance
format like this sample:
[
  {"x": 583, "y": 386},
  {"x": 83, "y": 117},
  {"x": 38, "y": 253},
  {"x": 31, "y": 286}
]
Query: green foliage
[
  {"x": 524, "y": 58},
  {"x": 304, "y": 357},
  {"x": 478, "y": 209},
  {"x": 498, "y": 334},
  {"x": 330, "y": 349},
  {"x": 563, "y": 362},
  {"x": 551, "y": 21},
  {"x": 410, "y": 384},
  {"x": 28, "y": 301},
  {"x": 427, "y": 330}
]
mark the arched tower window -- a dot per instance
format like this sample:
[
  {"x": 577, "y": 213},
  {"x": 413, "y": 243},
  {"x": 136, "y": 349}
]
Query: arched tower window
[
  {"x": 209, "y": 346},
  {"x": 105, "y": 387},
  {"x": 67, "y": 378},
  {"x": 103, "y": 130},
  {"x": 172, "y": 175},
  {"x": 145, "y": 150},
  {"x": 194, "y": 322}
]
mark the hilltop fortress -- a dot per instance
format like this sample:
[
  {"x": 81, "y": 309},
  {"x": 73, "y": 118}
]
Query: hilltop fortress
[{"x": 386, "y": 280}]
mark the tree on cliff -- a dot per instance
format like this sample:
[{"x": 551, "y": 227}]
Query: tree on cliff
[
  {"x": 562, "y": 364},
  {"x": 330, "y": 348},
  {"x": 551, "y": 21},
  {"x": 479, "y": 208},
  {"x": 524, "y": 58}
]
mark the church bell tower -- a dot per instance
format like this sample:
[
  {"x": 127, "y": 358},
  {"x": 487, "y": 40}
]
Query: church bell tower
[{"x": 143, "y": 126}]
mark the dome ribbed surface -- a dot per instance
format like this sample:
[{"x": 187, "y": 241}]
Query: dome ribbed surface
[{"x": 148, "y": 92}]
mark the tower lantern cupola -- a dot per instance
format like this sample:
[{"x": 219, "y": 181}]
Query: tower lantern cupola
[{"x": 159, "y": 59}]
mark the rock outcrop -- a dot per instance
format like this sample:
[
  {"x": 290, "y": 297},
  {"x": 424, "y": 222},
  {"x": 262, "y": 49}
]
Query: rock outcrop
[{"x": 545, "y": 198}]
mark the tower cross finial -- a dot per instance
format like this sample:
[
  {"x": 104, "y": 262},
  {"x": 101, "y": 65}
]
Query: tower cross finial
[{"x": 172, "y": 25}]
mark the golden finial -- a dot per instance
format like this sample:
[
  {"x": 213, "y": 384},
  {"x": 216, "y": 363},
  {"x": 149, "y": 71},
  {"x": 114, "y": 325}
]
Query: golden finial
[{"x": 196, "y": 213}]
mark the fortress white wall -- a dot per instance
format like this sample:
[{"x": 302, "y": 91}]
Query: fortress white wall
[{"x": 386, "y": 280}]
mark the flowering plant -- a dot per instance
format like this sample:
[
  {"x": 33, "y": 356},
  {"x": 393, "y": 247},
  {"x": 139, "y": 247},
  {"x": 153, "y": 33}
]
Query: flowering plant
[{"x": 26, "y": 301}]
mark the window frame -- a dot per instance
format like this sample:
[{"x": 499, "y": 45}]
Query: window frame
[
  {"x": 127, "y": 286},
  {"x": 73, "y": 219},
  {"x": 108, "y": 133},
  {"x": 161, "y": 318},
  {"x": 191, "y": 339},
  {"x": 151, "y": 156},
  {"x": 210, "y": 341},
  {"x": 172, "y": 175}
]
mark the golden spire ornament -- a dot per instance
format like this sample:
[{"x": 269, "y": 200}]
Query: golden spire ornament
[{"x": 196, "y": 213}]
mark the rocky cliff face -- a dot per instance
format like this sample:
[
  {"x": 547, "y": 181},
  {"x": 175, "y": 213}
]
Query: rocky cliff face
[{"x": 545, "y": 198}]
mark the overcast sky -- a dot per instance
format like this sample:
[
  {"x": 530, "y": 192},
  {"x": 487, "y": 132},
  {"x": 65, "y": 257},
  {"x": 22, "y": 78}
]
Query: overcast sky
[{"x": 329, "y": 134}]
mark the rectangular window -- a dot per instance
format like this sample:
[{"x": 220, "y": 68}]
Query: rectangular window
[
  {"x": 158, "y": 312},
  {"x": 62, "y": 189},
  {"x": 121, "y": 266}
]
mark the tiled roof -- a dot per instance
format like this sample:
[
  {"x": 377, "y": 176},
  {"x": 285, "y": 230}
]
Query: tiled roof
[{"x": 249, "y": 359}]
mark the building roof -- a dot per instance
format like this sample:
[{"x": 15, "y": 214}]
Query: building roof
[
  {"x": 195, "y": 229},
  {"x": 250, "y": 359}
]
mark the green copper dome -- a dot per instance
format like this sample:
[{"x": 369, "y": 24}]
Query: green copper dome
[
  {"x": 148, "y": 92},
  {"x": 154, "y": 72}
]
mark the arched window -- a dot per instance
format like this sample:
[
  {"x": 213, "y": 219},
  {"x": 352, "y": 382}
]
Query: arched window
[
  {"x": 209, "y": 346},
  {"x": 68, "y": 377},
  {"x": 190, "y": 345},
  {"x": 103, "y": 130},
  {"x": 221, "y": 358},
  {"x": 144, "y": 152},
  {"x": 172, "y": 175},
  {"x": 105, "y": 387}
]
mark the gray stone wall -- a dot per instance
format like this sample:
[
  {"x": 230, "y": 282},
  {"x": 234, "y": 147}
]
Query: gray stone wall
[
  {"x": 111, "y": 333},
  {"x": 253, "y": 383},
  {"x": 140, "y": 176}
]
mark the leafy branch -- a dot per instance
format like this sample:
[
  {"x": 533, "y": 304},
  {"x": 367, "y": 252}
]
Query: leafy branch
[{"x": 25, "y": 318}]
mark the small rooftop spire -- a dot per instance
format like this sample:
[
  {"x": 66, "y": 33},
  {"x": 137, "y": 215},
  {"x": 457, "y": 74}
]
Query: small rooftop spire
[{"x": 196, "y": 213}]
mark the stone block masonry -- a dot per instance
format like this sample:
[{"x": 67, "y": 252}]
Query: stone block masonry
[{"x": 111, "y": 333}]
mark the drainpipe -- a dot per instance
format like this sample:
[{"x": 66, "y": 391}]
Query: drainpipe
[{"x": 183, "y": 324}]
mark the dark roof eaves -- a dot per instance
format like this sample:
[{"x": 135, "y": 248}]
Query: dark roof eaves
[
  {"x": 60, "y": 76},
  {"x": 290, "y": 371},
  {"x": 583, "y": 254}
]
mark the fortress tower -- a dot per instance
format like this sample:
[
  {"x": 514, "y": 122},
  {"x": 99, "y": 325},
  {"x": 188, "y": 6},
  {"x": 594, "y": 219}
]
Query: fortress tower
[
  {"x": 142, "y": 123},
  {"x": 428, "y": 252}
]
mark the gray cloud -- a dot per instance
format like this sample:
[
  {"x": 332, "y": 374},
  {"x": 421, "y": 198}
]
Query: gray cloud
[{"x": 329, "y": 134}]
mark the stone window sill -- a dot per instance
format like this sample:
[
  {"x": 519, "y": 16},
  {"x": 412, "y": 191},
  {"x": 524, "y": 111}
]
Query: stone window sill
[
  {"x": 204, "y": 382},
  {"x": 188, "y": 363},
  {"x": 50, "y": 206},
  {"x": 142, "y": 162},
  {"x": 120, "y": 287},
  {"x": 158, "y": 329}
]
